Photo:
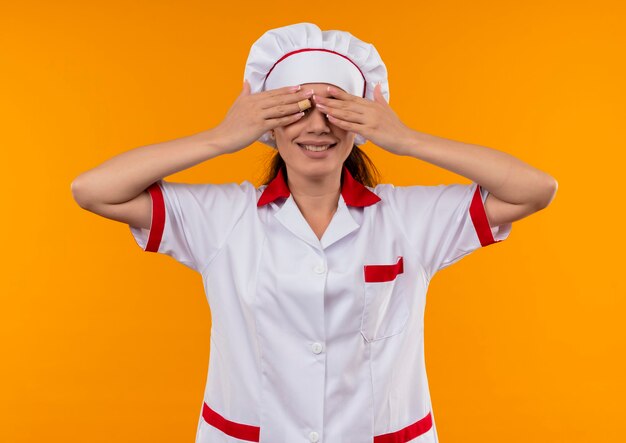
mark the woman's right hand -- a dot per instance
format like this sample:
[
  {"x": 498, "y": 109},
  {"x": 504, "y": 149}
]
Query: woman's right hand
[{"x": 251, "y": 115}]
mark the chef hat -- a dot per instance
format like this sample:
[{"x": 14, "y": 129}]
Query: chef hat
[{"x": 303, "y": 53}]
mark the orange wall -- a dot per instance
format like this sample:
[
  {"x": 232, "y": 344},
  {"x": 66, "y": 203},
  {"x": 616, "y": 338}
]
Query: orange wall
[{"x": 101, "y": 342}]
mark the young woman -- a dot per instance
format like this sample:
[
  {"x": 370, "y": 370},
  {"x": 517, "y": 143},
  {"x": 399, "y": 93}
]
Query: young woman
[{"x": 317, "y": 279}]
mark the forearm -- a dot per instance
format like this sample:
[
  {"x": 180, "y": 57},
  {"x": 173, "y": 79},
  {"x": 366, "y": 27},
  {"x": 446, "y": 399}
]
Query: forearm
[
  {"x": 126, "y": 175},
  {"x": 503, "y": 175}
]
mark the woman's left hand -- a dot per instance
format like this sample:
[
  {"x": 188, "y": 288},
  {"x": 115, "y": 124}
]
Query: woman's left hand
[{"x": 374, "y": 120}]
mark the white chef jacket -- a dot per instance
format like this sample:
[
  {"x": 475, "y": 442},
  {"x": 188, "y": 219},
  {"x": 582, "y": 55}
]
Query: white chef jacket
[{"x": 317, "y": 340}]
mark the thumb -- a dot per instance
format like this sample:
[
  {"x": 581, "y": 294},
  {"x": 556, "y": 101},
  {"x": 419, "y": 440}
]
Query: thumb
[
  {"x": 378, "y": 95},
  {"x": 246, "y": 88}
]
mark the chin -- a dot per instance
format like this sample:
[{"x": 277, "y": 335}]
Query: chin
[{"x": 321, "y": 168}]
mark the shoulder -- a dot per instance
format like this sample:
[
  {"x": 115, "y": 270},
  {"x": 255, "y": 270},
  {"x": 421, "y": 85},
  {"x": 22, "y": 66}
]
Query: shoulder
[
  {"x": 394, "y": 192},
  {"x": 197, "y": 189},
  {"x": 417, "y": 198},
  {"x": 225, "y": 196},
  {"x": 417, "y": 190}
]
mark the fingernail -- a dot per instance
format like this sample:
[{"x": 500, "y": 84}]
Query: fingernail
[{"x": 295, "y": 88}]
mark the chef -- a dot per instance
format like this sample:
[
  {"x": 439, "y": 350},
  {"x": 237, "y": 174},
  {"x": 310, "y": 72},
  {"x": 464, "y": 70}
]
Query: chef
[{"x": 317, "y": 279}]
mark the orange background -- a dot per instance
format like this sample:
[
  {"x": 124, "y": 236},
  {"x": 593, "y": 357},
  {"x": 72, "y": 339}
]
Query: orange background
[{"x": 102, "y": 342}]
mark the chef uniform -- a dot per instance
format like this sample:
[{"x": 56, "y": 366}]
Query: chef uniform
[{"x": 316, "y": 340}]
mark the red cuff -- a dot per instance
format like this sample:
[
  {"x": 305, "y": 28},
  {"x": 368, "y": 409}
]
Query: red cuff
[
  {"x": 480, "y": 220},
  {"x": 158, "y": 218}
]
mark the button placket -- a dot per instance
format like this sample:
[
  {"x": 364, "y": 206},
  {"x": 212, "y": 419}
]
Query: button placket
[
  {"x": 317, "y": 347},
  {"x": 320, "y": 268}
]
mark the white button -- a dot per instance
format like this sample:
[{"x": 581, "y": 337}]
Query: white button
[
  {"x": 319, "y": 269},
  {"x": 316, "y": 347},
  {"x": 314, "y": 436}
]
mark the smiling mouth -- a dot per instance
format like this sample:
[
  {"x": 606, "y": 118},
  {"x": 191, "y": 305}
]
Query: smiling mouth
[{"x": 316, "y": 148}]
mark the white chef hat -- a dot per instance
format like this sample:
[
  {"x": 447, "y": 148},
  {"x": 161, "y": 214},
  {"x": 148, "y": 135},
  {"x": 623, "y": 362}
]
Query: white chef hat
[{"x": 303, "y": 53}]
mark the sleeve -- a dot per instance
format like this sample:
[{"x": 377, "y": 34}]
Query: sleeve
[
  {"x": 191, "y": 222},
  {"x": 444, "y": 223}
]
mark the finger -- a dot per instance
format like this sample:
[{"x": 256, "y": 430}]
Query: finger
[
  {"x": 286, "y": 104},
  {"x": 285, "y": 110},
  {"x": 337, "y": 93},
  {"x": 282, "y": 121},
  {"x": 353, "y": 106},
  {"x": 279, "y": 91},
  {"x": 338, "y": 98},
  {"x": 343, "y": 114},
  {"x": 348, "y": 126},
  {"x": 287, "y": 98}
]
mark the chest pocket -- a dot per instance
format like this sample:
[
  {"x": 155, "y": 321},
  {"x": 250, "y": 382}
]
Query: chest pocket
[{"x": 386, "y": 308}]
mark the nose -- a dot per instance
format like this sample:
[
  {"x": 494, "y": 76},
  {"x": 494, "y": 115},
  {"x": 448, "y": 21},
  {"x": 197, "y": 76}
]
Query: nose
[{"x": 316, "y": 120}]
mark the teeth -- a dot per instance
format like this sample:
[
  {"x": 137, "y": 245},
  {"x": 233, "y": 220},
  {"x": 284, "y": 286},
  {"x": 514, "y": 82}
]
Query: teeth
[{"x": 315, "y": 148}]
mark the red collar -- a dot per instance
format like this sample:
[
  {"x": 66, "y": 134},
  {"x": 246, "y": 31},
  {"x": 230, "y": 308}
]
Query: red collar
[{"x": 353, "y": 192}]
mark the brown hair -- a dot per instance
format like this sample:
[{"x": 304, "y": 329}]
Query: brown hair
[{"x": 358, "y": 163}]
